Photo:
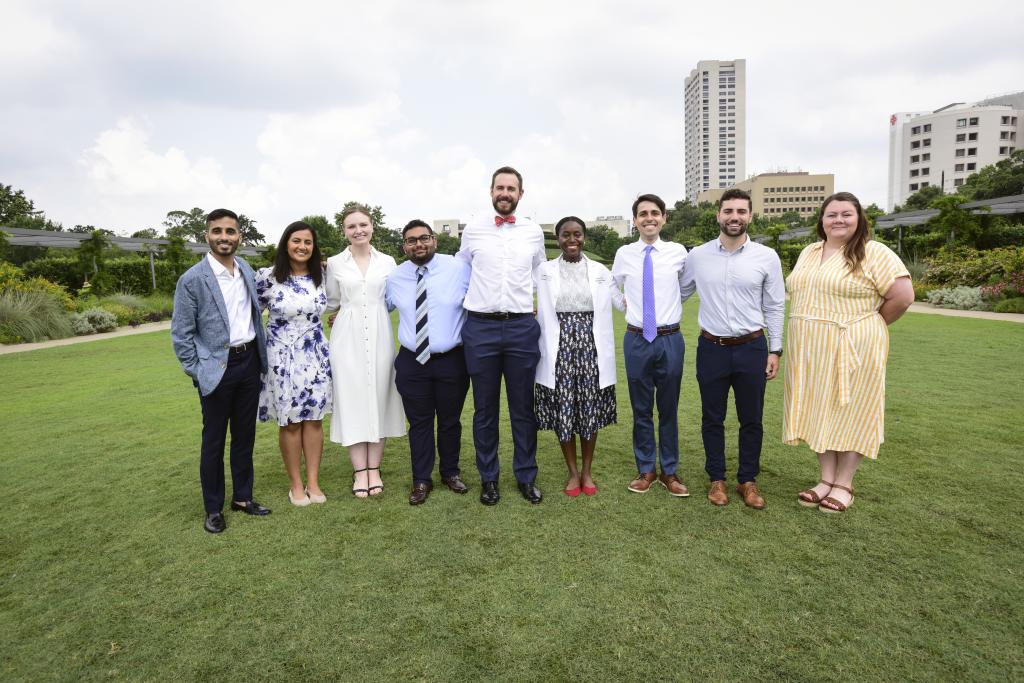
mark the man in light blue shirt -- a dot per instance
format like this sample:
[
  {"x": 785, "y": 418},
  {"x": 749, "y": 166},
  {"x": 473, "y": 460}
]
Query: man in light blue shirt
[
  {"x": 430, "y": 369},
  {"x": 742, "y": 292}
]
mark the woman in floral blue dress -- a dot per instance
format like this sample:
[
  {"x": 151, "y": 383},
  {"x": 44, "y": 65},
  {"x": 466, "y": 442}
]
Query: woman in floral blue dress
[{"x": 297, "y": 389}]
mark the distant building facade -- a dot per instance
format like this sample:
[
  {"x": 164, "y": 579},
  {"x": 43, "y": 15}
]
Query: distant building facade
[
  {"x": 449, "y": 226},
  {"x": 715, "y": 121},
  {"x": 773, "y": 194},
  {"x": 946, "y": 146}
]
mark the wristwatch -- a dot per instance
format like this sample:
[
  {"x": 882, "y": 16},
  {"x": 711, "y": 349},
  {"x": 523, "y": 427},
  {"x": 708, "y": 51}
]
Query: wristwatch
[{"x": 777, "y": 353}]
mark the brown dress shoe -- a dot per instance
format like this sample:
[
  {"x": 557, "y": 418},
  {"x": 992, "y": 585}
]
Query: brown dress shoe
[
  {"x": 717, "y": 494},
  {"x": 455, "y": 484},
  {"x": 642, "y": 483},
  {"x": 420, "y": 491},
  {"x": 751, "y": 496},
  {"x": 675, "y": 485}
]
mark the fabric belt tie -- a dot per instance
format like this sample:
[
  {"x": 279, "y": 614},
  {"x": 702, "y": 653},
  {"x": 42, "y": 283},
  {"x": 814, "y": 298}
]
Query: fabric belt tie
[
  {"x": 847, "y": 358},
  {"x": 295, "y": 338}
]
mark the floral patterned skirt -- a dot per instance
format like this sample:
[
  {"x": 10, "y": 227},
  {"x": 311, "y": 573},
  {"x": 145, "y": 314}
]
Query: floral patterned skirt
[{"x": 577, "y": 404}]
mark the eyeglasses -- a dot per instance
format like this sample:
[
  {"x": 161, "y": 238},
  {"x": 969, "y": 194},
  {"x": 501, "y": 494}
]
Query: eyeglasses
[{"x": 422, "y": 239}]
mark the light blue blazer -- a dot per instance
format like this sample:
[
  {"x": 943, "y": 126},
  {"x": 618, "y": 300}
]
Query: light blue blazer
[{"x": 200, "y": 329}]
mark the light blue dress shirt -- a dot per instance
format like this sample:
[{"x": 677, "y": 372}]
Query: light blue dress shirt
[
  {"x": 447, "y": 282},
  {"x": 740, "y": 291}
]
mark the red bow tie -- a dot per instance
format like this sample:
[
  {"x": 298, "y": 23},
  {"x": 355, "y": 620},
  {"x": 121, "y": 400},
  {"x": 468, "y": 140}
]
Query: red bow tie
[{"x": 498, "y": 220}]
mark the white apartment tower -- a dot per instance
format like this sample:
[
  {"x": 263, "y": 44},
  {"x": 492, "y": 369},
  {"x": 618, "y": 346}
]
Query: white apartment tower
[
  {"x": 946, "y": 146},
  {"x": 716, "y": 124}
]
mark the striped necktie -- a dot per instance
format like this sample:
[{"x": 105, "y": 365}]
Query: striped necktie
[{"x": 422, "y": 340}]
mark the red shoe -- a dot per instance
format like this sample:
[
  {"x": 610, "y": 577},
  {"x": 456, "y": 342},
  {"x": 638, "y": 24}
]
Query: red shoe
[
  {"x": 572, "y": 493},
  {"x": 590, "y": 490}
]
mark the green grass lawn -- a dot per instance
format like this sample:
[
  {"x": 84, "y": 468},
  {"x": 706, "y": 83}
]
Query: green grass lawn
[{"x": 106, "y": 573}]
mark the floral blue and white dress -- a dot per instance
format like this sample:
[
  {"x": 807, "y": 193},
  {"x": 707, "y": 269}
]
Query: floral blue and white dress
[{"x": 297, "y": 385}]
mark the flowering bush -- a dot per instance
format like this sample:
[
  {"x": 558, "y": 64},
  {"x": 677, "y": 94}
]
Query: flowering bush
[
  {"x": 964, "y": 266},
  {"x": 13, "y": 279},
  {"x": 1011, "y": 287}
]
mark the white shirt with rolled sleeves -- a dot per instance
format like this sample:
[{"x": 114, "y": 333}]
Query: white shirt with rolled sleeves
[
  {"x": 628, "y": 272},
  {"x": 503, "y": 259},
  {"x": 236, "y": 301},
  {"x": 740, "y": 291}
]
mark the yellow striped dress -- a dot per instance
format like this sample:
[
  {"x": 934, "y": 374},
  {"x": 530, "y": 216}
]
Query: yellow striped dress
[{"x": 836, "y": 350}]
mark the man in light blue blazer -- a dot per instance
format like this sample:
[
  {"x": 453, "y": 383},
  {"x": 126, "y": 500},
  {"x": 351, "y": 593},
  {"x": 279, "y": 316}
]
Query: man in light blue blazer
[{"x": 217, "y": 332}]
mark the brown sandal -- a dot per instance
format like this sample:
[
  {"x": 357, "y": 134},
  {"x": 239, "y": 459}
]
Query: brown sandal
[
  {"x": 831, "y": 505},
  {"x": 809, "y": 498}
]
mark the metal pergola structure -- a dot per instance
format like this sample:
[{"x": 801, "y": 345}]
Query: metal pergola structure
[
  {"x": 25, "y": 237},
  {"x": 998, "y": 206}
]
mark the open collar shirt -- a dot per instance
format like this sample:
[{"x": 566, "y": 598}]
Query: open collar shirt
[
  {"x": 502, "y": 259},
  {"x": 236, "y": 302},
  {"x": 741, "y": 291},
  {"x": 628, "y": 271},
  {"x": 447, "y": 280}
]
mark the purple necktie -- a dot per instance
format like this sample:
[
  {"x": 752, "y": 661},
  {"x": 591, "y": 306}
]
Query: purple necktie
[{"x": 650, "y": 319}]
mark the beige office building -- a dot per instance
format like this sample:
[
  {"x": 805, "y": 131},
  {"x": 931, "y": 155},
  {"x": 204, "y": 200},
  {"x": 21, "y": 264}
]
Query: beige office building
[
  {"x": 946, "y": 146},
  {"x": 448, "y": 226},
  {"x": 773, "y": 194},
  {"x": 716, "y": 124}
]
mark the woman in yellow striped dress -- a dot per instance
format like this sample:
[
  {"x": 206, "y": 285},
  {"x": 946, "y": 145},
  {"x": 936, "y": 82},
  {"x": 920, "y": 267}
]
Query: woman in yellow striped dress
[{"x": 844, "y": 292}]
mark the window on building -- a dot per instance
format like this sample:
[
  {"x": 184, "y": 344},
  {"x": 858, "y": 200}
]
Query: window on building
[
  {"x": 924, "y": 171},
  {"x": 1002, "y": 150},
  {"x": 971, "y": 166},
  {"x": 961, "y": 123},
  {"x": 924, "y": 185},
  {"x": 927, "y": 142},
  {"x": 1005, "y": 120},
  {"x": 915, "y": 158},
  {"x": 915, "y": 130},
  {"x": 957, "y": 182},
  {"x": 913, "y": 187},
  {"x": 913, "y": 173},
  {"x": 973, "y": 121},
  {"x": 1005, "y": 135},
  {"x": 926, "y": 156},
  {"x": 958, "y": 153},
  {"x": 916, "y": 144},
  {"x": 958, "y": 168},
  {"x": 972, "y": 136},
  {"x": 961, "y": 137},
  {"x": 927, "y": 128},
  {"x": 972, "y": 151}
]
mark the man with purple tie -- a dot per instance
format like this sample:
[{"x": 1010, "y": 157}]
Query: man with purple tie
[{"x": 648, "y": 271}]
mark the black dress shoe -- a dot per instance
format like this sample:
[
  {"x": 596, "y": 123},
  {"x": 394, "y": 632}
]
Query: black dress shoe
[
  {"x": 250, "y": 507},
  {"x": 215, "y": 523},
  {"x": 420, "y": 491},
  {"x": 456, "y": 484},
  {"x": 530, "y": 492},
  {"x": 489, "y": 494}
]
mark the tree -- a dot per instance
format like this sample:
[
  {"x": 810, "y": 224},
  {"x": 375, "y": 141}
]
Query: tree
[
  {"x": 962, "y": 226},
  {"x": 872, "y": 211},
  {"x": 188, "y": 225},
  {"x": 921, "y": 199},
  {"x": 682, "y": 217},
  {"x": 247, "y": 226},
  {"x": 446, "y": 244},
  {"x": 330, "y": 239},
  {"x": 91, "y": 255},
  {"x": 603, "y": 241},
  {"x": 14, "y": 204},
  {"x": 147, "y": 233},
  {"x": 1001, "y": 179},
  {"x": 177, "y": 255}
]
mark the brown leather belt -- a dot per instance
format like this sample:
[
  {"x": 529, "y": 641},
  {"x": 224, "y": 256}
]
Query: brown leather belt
[
  {"x": 731, "y": 341},
  {"x": 662, "y": 331},
  {"x": 502, "y": 315}
]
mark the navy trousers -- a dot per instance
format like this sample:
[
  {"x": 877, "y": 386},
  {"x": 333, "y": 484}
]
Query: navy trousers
[
  {"x": 654, "y": 372},
  {"x": 509, "y": 349},
  {"x": 436, "y": 389},
  {"x": 234, "y": 402},
  {"x": 741, "y": 368}
]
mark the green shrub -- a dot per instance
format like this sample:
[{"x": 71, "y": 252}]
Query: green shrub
[
  {"x": 27, "y": 316},
  {"x": 921, "y": 290},
  {"x": 13, "y": 279},
  {"x": 963, "y": 298},
  {"x": 64, "y": 270},
  {"x": 124, "y": 314},
  {"x": 1014, "y": 305},
  {"x": 80, "y": 324},
  {"x": 972, "y": 268},
  {"x": 101, "y": 320},
  {"x": 126, "y": 274}
]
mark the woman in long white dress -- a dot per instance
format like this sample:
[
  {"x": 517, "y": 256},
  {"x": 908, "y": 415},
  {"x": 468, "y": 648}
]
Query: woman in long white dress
[{"x": 367, "y": 406}]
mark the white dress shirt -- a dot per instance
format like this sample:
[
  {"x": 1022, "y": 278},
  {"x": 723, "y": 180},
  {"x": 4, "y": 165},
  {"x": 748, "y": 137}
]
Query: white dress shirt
[
  {"x": 502, "y": 260},
  {"x": 628, "y": 271},
  {"x": 236, "y": 301},
  {"x": 740, "y": 291}
]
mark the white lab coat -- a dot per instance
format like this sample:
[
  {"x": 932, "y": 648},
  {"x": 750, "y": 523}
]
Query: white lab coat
[{"x": 605, "y": 295}]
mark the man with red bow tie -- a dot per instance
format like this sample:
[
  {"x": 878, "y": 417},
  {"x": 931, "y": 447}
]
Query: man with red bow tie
[{"x": 501, "y": 335}]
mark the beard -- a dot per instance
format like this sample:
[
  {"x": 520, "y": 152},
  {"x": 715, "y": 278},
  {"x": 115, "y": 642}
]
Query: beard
[
  {"x": 733, "y": 230},
  {"x": 512, "y": 203}
]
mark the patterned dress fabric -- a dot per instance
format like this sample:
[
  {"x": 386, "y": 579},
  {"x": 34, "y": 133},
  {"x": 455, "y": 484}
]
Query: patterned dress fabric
[
  {"x": 577, "y": 404},
  {"x": 297, "y": 385},
  {"x": 836, "y": 350}
]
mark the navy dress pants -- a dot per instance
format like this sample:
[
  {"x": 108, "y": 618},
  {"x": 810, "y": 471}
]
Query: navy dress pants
[
  {"x": 234, "y": 402},
  {"x": 508, "y": 349},
  {"x": 740, "y": 368},
  {"x": 654, "y": 372},
  {"x": 435, "y": 389}
]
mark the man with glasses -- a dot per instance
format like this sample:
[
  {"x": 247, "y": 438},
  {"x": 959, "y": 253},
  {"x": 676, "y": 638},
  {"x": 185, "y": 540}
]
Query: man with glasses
[{"x": 430, "y": 369}]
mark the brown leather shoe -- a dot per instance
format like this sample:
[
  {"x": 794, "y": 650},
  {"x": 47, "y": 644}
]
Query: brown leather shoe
[
  {"x": 751, "y": 496},
  {"x": 675, "y": 485},
  {"x": 642, "y": 483},
  {"x": 717, "y": 494},
  {"x": 420, "y": 491},
  {"x": 455, "y": 484}
]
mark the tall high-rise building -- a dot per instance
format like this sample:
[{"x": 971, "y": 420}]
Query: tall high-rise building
[
  {"x": 716, "y": 125},
  {"x": 946, "y": 146}
]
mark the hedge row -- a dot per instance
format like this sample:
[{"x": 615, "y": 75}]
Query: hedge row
[{"x": 126, "y": 274}]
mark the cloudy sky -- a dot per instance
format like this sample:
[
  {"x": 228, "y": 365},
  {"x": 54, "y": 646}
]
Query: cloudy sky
[{"x": 114, "y": 113}]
